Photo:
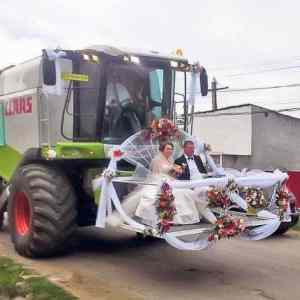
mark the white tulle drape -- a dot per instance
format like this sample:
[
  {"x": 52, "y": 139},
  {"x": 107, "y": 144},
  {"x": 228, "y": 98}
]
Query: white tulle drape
[{"x": 140, "y": 151}]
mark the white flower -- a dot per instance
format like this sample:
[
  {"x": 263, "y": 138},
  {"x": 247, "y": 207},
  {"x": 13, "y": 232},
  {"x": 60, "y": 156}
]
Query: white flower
[{"x": 51, "y": 153}]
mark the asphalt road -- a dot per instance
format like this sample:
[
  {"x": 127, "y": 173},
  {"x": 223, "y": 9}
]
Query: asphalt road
[{"x": 116, "y": 265}]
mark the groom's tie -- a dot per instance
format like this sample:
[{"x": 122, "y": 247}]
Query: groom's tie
[{"x": 190, "y": 158}]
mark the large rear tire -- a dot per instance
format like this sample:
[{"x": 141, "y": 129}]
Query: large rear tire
[
  {"x": 42, "y": 211},
  {"x": 2, "y": 207}
]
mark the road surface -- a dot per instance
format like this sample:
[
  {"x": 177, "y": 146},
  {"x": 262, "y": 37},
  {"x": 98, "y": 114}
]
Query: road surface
[{"x": 116, "y": 265}]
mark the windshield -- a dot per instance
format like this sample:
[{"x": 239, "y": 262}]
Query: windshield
[{"x": 134, "y": 97}]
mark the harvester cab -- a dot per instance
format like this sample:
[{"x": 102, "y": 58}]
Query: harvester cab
[{"x": 112, "y": 93}]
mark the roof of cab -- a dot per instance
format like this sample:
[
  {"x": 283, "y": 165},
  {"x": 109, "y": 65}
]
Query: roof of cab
[{"x": 114, "y": 51}]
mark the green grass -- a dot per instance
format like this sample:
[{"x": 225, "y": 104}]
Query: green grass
[{"x": 13, "y": 284}]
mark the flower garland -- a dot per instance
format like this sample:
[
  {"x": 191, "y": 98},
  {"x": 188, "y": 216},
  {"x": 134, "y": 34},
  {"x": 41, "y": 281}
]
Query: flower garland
[
  {"x": 165, "y": 208},
  {"x": 220, "y": 197},
  {"x": 255, "y": 198},
  {"x": 163, "y": 130},
  {"x": 217, "y": 197},
  {"x": 227, "y": 227},
  {"x": 282, "y": 201}
]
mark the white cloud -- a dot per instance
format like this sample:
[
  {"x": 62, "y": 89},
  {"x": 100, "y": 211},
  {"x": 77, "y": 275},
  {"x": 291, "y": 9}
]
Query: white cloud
[{"x": 235, "y": 35}]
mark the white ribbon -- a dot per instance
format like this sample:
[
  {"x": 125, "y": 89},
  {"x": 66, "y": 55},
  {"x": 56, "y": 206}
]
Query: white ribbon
[
  {"x": 181, "y": 245},
  {"x": 262, "y": 181},
  {"x": 237, "y": 199},
  {"x": 109, "y": 196}
]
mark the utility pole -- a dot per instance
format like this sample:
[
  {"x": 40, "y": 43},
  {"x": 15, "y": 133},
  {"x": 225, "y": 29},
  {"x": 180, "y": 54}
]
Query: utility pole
[
  {"x": 214, "y": 103},
  {"x": 214, "y": 90}
]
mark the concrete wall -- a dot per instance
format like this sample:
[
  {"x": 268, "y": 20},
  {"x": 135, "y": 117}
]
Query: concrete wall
[
  {"x": 227, "y": 133},
  {"x": 275, "y": 143}
]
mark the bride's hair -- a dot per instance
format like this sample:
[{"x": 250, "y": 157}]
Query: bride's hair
[{"x": 162, "y": 146}]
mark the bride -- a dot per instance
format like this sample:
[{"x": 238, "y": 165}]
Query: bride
[{"x": 190, "y": 205}]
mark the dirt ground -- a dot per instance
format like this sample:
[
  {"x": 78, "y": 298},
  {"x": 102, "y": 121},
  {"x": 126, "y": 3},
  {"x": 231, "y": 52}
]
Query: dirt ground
[{"x": 115, "y": 265}]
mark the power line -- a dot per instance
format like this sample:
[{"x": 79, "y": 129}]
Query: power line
[
  {"x": 263, "y": 71},
  {"x": 291, "y": 109},
  {"x": 259, "y": 64},
  {"x": 262, "y": 88}
]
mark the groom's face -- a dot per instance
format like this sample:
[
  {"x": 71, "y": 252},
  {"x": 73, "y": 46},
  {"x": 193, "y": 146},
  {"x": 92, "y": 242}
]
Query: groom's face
[{"x": 189, "y": 149}]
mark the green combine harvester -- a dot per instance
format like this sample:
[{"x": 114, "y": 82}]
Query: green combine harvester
[{"x": 60, "y": 115}]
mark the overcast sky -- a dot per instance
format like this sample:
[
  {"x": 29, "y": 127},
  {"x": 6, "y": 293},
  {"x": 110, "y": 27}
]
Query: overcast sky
[{"x": 243, "y": 43}]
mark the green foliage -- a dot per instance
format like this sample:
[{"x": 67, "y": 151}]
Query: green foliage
[{"x": 17, "y": 281}]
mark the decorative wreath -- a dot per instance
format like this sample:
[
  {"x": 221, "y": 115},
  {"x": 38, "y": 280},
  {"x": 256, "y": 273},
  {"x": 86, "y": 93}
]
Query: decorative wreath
[
  {"x": 217, "y": 197},
  {"x": 227, "y": 227},
  {"x": 165, "y": 208},
  {"x": 255, "y": 197},
  {"x": 282, "y": 201},
  {"x": 163, "y": 130}
]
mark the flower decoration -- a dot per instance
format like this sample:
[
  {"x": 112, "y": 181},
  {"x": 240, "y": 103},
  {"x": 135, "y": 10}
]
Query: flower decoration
[
  {"x": 163, "y": 130},
  {"x": 227, "y": 227},
  {"x": 117, "y": 153},
  {"x": 255, "y": 198},
  {"x": 282, "y": 201},
  {"x": 165, "y": 208},
  {"x": 217, "y": 197}
]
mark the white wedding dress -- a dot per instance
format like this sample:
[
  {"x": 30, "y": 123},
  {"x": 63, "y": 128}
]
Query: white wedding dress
[
  {"x": 141, "y": 202},
  {"x": 184, "y": 199}
]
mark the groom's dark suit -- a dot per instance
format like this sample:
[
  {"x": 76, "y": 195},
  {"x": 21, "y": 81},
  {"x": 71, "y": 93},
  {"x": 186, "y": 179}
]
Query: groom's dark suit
[{"x": 186, "y": 171}]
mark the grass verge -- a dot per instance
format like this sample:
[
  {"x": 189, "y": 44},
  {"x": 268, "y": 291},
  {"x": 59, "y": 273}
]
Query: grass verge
[{"x": 17, "y": 281}]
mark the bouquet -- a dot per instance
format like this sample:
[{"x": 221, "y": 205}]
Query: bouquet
[
  {"x": 165, "y": 208},
  {"x": 255, "y": 198},
  {"x": 282, "y": 201},
  {"x": 227, "y": 227},
  {"x": 217, "y": 197},
  {"x": 163, "y": 130}
]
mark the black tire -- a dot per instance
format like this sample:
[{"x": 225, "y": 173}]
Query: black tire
[
  {"x": 2, "y": 209},
  {"x": 42, "y": 211},
  {"x": 1, "y": 220},
  {"x": 285, "y": 226}
]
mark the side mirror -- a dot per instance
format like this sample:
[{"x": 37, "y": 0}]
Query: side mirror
[
  {"x": 54, "y": 63},
  {"x": 203, "y": 82},
  {"x": 49, "y": 71},
  {"x": 199, "y": 82}
]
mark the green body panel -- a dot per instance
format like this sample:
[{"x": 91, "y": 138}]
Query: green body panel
[
  {"x": 80, "y": 150},
  {"x": 75, "y": 150},
  {"x": 9, "y": 160}
]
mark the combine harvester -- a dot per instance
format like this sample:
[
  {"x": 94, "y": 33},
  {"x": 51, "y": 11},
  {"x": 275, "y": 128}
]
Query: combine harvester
[{"x": 71, "y": 124}]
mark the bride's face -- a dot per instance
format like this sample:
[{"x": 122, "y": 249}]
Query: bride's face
[{"x": 168, "y": 151}]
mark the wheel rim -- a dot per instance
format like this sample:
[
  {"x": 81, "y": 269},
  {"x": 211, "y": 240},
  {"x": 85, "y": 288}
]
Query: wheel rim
[{"x": 22, "y": 213}]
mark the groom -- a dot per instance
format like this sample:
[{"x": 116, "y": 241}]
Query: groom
[
  {"x": 191, "y": 163},
  {"x": 192, "y": 168}
]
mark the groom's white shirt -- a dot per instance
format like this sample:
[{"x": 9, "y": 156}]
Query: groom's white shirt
[{"x": 194, "y": 172}]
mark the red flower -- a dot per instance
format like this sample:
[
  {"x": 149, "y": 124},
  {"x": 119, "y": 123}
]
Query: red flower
[
  {"x": 226, "y": 227},
  {"x": 117, "y": 153},
  {"x": 165, "y": 208}
]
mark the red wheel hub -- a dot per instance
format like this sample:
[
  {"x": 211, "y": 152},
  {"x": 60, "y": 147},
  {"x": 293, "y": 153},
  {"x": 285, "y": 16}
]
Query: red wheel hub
[{"x": 22, "y": 213}]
